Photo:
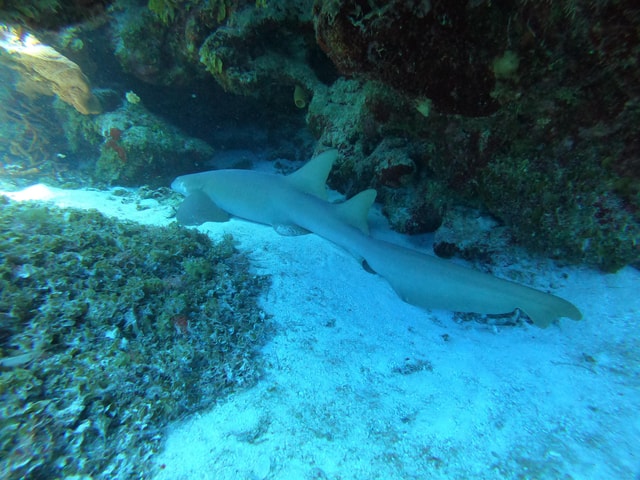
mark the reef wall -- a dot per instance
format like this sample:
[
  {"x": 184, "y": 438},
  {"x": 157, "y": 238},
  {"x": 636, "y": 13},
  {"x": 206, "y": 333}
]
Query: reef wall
[{"x": 525, "y": 111}]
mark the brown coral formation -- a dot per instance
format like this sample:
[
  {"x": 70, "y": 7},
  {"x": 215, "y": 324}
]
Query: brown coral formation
[
  {"x": 43, "y": 70},
  {"x": 439, "y": 50},
  {"x": 51, "y": 14},
  {"x": 32, "y": 134}
]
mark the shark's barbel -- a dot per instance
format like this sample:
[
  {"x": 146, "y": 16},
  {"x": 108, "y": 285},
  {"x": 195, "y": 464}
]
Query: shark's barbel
[{"x": 297, "y": 203}]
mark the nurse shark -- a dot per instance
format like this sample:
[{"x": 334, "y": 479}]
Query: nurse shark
[{"x": 297, "y": 203}]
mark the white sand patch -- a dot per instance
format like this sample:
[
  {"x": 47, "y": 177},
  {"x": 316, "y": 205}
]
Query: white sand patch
[{"x": 360, "y": 385}]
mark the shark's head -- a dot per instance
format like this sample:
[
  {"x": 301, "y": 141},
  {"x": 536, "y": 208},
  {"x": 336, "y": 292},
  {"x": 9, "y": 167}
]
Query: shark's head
[
  {"x": 180, "y": 185},
  {"x": 187, "y": 184},
  {"x": 204, "y": 181}
]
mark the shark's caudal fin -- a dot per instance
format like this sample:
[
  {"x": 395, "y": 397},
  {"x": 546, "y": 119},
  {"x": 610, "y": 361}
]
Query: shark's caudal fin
[
  {"x": 312, "y": 177},
  {"x": 430, "y": 282},
  {"x": 355, "y": 210},
  {"x": 542, "y": 313}
]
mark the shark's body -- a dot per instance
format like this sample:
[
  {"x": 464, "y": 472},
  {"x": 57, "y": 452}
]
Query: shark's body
[{"x": 297, "y": 203}]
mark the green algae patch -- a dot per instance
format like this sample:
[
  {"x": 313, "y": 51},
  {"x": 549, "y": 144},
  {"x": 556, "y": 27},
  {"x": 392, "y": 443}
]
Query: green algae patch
[{"x": 109, "y": 331}]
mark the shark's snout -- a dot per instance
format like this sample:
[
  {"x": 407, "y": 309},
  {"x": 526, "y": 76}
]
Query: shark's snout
[{"x": 178, "y": 185}]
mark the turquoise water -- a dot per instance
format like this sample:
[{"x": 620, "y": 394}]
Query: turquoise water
[{"x": 266, "y": 346}]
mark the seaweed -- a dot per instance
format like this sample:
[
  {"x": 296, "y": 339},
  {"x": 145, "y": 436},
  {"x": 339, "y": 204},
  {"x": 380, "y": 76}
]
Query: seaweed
[{"x": 109, "y": 331}]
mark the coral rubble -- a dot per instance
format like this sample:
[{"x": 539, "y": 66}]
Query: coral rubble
[{"x": 110, "y": 330}]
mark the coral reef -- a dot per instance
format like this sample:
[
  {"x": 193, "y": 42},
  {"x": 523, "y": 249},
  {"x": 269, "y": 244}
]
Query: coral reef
[
  {"x": 569, "y": 192},
  {"x": 263, "y": 46},
  {"x": 50, "y": 14},
  {"x": 150, "y": 43},
  {"x": 557, "y": 158},
  {"x": 110, "y": 330},
  {"x": 32, "y": 135},
  {"x": 247, "y": 47},
  {"x": 370, "y": 122},
  {"x": 434, "y": 49},
  {"x": 523, "y": 110},
  {"x": 134, "y": 146},
  {"x": 140, "y": 148}
]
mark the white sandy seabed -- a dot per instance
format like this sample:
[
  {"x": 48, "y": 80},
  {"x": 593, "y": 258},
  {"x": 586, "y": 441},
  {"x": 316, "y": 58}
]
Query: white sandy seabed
[{"x": 360, "y": 385}]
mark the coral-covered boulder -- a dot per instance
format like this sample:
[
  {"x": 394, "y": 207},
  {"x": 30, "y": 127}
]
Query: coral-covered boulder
[
  {"x": 44, "y": 70},
  {"x": 440, "y": 50},
  {"x": 51, "y": 14}
]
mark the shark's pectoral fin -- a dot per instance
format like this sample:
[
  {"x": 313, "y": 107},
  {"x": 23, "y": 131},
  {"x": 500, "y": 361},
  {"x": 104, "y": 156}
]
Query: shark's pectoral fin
[
  {"x": 367, "y": 268},
  {"x": 289, "y": 230},
  {"x": 198, "y": 208}
]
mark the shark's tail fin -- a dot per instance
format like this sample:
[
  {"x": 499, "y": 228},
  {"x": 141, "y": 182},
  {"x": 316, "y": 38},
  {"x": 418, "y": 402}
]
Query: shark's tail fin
[{"x": 542, "y": 313}]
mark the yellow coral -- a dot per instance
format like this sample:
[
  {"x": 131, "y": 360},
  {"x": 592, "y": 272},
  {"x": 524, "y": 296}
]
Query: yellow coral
[
  {"x": 132, "y": 97},
  {"x": 48, "y": 72},
  {"x": 165, "y": 9},
  {"x": 300, "y": 97},
  {"x": 222, "y": 12},
  {"x": 506, "y": 66}
]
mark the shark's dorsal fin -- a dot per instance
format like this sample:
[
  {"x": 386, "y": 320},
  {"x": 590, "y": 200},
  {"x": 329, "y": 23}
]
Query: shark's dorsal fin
[
  {"x": 312, "y": 177},
  {"x": 355, "y": 210}
]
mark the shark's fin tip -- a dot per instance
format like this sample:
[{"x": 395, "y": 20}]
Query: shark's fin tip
[
  {"x": 542, "y": 315},
  {"x": 312, "y": 177},
  {"x": 355, "y": 210}
]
